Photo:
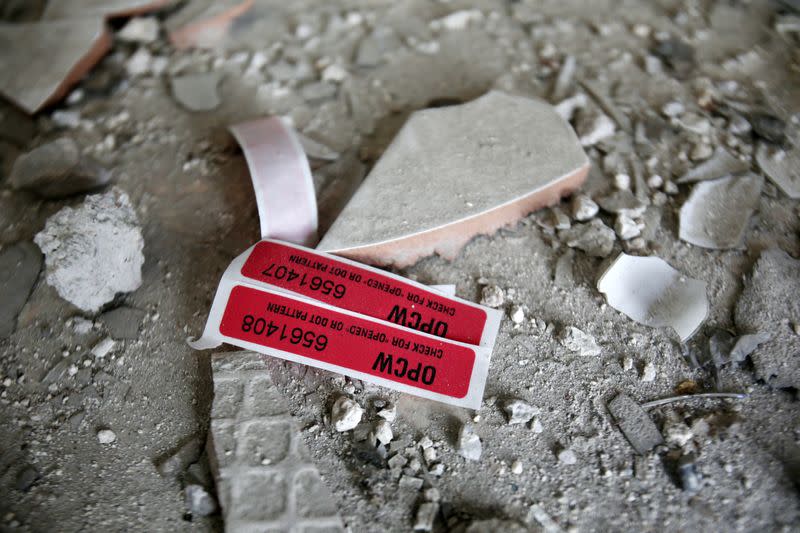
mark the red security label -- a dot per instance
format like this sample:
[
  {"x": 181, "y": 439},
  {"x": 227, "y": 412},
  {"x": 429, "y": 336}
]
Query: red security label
[
  {"x": 364, "y": 290},
  {"x": 325, "y": 335}
]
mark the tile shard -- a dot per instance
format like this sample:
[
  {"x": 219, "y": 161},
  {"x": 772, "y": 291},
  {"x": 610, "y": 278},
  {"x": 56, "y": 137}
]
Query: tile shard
[
  {"x": 73, "y": 46},
  {"x": 722, "y": 163},
  {"x": 782, "y": 167},
  {"x": 717, "y": 212},
  {"x": 440, "y": 151},
  {"x": 651, "y": 292},
  {"x": 205, "y": 24}
]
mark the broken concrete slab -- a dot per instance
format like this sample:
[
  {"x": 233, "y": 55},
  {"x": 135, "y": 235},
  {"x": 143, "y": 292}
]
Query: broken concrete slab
[
  {"x": 635, "y": 424},
  {"x": 71, "y": 47},
  {"x": 782, "y": 167},
  {"x": 57, "y": 169},
  {"x": 769, "y": 305},
  {"x": 406, "y": 208},
  {"x": 651, "y": 292},
  {"x": 20, "y": 264},
  {"x": 263, "y": 475},
  {"x": 64, "y": 9},
  {"x": 717, "y": 212},
  {"x": 94, "y": 251},
  {"x": 721, "y": 164},
  {"x": 197, "y": 92}
]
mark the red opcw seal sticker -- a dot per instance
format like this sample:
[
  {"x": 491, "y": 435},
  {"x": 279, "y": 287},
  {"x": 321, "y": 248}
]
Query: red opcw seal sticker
[{"x": 324, "y": 311}]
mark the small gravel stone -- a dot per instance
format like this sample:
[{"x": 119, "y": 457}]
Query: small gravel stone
[
  {"x": 198, "y": 501},
  {"x": 345, "y": 414},
  {"x": 575, "y": 340},
  {"x": 627, "y": 228},
  {"x": 594, "y": 238},
  {"x": 567, "y": 457},
  {"x": 519, "y": 412},
  {"x": 197, "y": 92},
  {"x": 516, "y": 467},
  {"x": 382, "y": 432},
  {"x": 649, "y": 372},
  {"x": 492, "y": 296},
  {"x": 469, "y": 444},
  {"x": 517, "y": 314},
  {"x": 103, "y": 348},
  {"x": 106, "y": 436},
  {"x": 432, "y": 495},
  {"x": 536, "y": 426},
  {"x": 388, "y": 413},
  {"x": 622, "y": 181},
  {"x": 139, "y": 30}
]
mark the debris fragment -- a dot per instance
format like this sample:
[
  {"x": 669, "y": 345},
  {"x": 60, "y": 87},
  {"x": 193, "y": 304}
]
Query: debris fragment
[
  {"x": 653, "y": 293},
  {"x": 382, "y": 432},
  {"x": 492, "y": 296},
  {"x": 73, "y": 46},
  {"x": 594, "y": 127},
  {"x": 469, "y": 444},
  {"x": 20, "y": 264},
  {"x": 495, "y": 525},
  {"x": 701, "y": 396},
  {"x": 106, "y": 436},
  {"x": 687, "y": 471},
  {"x": 564, "y": 80},
  {"x": 94, "y": 251},
  {"x": 388, "y": 413},
  {"x": 635, "y": 424},
  {"x": 205, "y": 24},
  {"x": 648, "y": 372},
  {"x": 174, "y": 463},
  {"x": 717, "y": 212},
  {"x": 627, "y": 228},
  {"x": 782, "y": 167},
  {"x": 346, "y": 414},
  {"x": 104, "y": 8},
  {"x": 583, "y": 208},
  {"x": 426, "y": 514},
  {"x": 26, "y": 478},
  {"x": 198, "y": 501},
  {"x": 722, "y": 163},
  {"x": 57, "y": 169},
  {"x": 197, "y": 92},
  {"x": 769, "y": 304},
  {"x": 517, "y": 314},
  {"x": 519, "y": 412},
  {"x": 622, "y": 202},
  {"x": 575, "y": 340},
  {"x": 516, "y": 467},
  {"x": 677, "y": 54},
  {"x": 594, "y": 238},
  {"x": 139, "y": 30},
  {"x": 382, "y": 224}
]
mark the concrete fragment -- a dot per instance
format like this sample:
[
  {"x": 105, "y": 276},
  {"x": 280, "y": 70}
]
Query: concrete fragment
[
  {"x": 345, "y": 414},
  {"x": 594, "y": 238},
  {"x": 139, "y": 30},
  {"x": 492, "y": 296},
  {"x": 635, "y": 424},
  {"x": 72, "y": 47},
  {"x": 106, "y": 436},
  {"x": 717, "y": 212},
  {"x": 575, "y": 340},
  {"x": 426, "y": 514},
  {"x": 649, "y": 372},
  {"x": 517, "y": 314},
  {"x": 583, "y": 208},
  {"x": 406, "y": 209},
  {"x": 382, "y": 432},
  {"x": 687, "y": 472},
  {"x": 769, "y": 305},
  {"x": 20, "y": 264},
  {"x": 197, "y": 92},
  {"x": 103, "y": 347},
  {"x": 123, "y": 322},
  {"x": 468, "y": 444},
  {"x": 139, "y": 63},
  {"x": 257, "y": 454},
  {"x": 174, "y": 463},
  {"x": 593, "y": 128},
  {"x": 622, "y": 202},
  {"x": 519, "y": 412},
  {"x": 388, "y": 413},
  {"x": 722, "y": 163},
  {"x": 653, "y": 293},
  {"x": 782, "y": 167},
  {"x": 94, "y": 251},
  {"x": 768, "y": 127},
  {"x": 57, "y": 169},
  {"x": 627, "y": 228},
  {"x": 565, "y": 79},
  {"x": 746, "y": 344},
  {"x": 198, "y": 501}
]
